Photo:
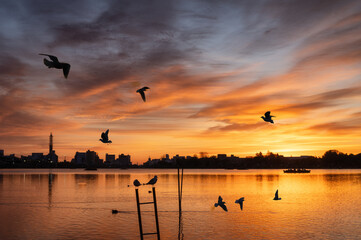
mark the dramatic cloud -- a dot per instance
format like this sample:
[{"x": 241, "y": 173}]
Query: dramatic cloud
[{"x": 213, "y": 68}]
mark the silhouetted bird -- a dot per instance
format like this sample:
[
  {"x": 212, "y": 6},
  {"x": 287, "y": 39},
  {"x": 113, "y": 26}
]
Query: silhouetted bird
[
  {"x": 267, "y": 117},
  {"x": 136, "y": 183},
  {"x": 56, "y": 64},
  {"x": 240, "y": 201},
  {"x": 141, "y": 91},
  {"x": 153, "y": 180},
  {"x": 276, "y": 196},
  {"x": 104, "y": 137},
  {"x": 221, "y": 204}
]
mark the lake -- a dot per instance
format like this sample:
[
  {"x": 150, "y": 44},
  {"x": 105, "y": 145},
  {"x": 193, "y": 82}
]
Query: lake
[{"x": 76, "y": 204}]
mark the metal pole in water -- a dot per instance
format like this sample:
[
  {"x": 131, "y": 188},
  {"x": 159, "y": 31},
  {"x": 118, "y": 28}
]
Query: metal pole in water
[
  {"x": 139, "y": 215},
  {"x": 156, "y": 213},
  {"x": 179, "y": 193}
]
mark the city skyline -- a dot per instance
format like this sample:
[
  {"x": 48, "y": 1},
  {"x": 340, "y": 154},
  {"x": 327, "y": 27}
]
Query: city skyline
[{"x": 213, "y": 69}]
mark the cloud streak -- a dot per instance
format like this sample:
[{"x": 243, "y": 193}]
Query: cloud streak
[{"x": 213, "y": 69}]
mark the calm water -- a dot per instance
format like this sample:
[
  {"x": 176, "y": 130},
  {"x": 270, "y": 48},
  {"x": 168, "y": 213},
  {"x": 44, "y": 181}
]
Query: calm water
[{"x": 77, "y": 204}]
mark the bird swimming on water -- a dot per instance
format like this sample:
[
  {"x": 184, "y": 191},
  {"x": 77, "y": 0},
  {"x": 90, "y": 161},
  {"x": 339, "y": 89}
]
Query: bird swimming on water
[
  {"x": 136, "y": 183},
  {"x": 104, "y": 137},
  {"x": 240, "y": 201},
  {"x": 152, "y": 181},
  {"x": 276, "y": 196},
  {"x": 267, "y": 117},
  {"x": 221, "y": 204},
  {"x": 56, "y": 64},
  {"x": 141, "y": 92}
]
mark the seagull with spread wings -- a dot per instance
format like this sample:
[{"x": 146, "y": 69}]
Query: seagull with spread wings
[
  {"x": 267, "y": 117},
  {"x": 141, "y": 92},
  {"x": 276, "y": 196},
  {"x": 54, "y": 63},
  {"x": 240, "y": 202},
  {"x": 104, "y": 137},
  {"x": 221, "y": 204}
]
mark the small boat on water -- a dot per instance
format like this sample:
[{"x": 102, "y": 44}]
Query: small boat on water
[{"x": 297, "y": 170}]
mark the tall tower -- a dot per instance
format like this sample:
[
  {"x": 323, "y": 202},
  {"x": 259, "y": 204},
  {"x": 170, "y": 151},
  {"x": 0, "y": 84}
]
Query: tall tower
[{"x": 51, "y": 144}]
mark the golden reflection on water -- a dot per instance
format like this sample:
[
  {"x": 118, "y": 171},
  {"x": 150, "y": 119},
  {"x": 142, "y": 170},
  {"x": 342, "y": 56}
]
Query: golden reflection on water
[{"x": 67, "y": 204}]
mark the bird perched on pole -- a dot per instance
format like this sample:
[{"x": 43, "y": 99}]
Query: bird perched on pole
[
  {"x": 136, "y": 183},
  {"x": 152, "y": 181}
]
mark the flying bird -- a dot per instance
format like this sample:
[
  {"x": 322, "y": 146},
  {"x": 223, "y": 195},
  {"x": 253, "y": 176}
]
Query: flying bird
[
  {"x": 56, "y": 64},
  {"x": 267, "y": 117},
  {"x": 221, "y": 204},
  {"x": 141, "y": 92},
  {"x": 152, "y": 181},
  {"x": 240, "y": 201},
  {"x": 276, "y": 196},
  {"x": 104, "y": 137},
  {"x": 136, "y": 183}
]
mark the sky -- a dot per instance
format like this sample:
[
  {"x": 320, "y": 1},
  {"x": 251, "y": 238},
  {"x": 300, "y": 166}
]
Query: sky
[{"x": 213, "y": 69}]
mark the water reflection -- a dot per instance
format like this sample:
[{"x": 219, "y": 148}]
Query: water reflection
[
  {"x": 110, "y": 179},
  {"x": 51, "y": 178},
  {"x": 78, "y": 200},
  {"x": 124, "y": 179},
  {"x": 86, "y": 178}
]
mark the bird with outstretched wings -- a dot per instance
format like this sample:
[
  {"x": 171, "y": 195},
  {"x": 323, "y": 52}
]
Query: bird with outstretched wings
[
  {"x": 104, "y": 137},
  {"x": 141, "y": 92},
  {"x": 54, "y": 63},
  {"x": 221, "y": 204}
]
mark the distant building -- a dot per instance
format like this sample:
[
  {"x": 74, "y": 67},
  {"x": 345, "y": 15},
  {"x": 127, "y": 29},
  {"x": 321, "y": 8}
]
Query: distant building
[
  {"x": 222, "y": 156},
  {"x": 178, "y": 159},
  {"x": 88, "y": 158},
  {"x": 151, "y": 162},
  {"x": 37, "y": 156},
  {"x": 298, "y": 157},
  {"x": 1, "y": 153},
  {"x": 110, "y": 158},
  {"x": 92, "y": 158},
  {"x": 124, "y": 161},
  {"x": 79, "y": 158},
  {"x": 167, "y": 160},
  {"x": 51, "y": 157}
]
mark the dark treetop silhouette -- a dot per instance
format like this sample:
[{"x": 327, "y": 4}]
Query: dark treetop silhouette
[
  {"x": 240, "y": 202},
  {"x": 141, "y": 92},
  {"x": 104, "y": 137},
  {"x": 267, "y": 117},
  {"x": 221, "y": 204},
  {"x": 56, "y": 64}
]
